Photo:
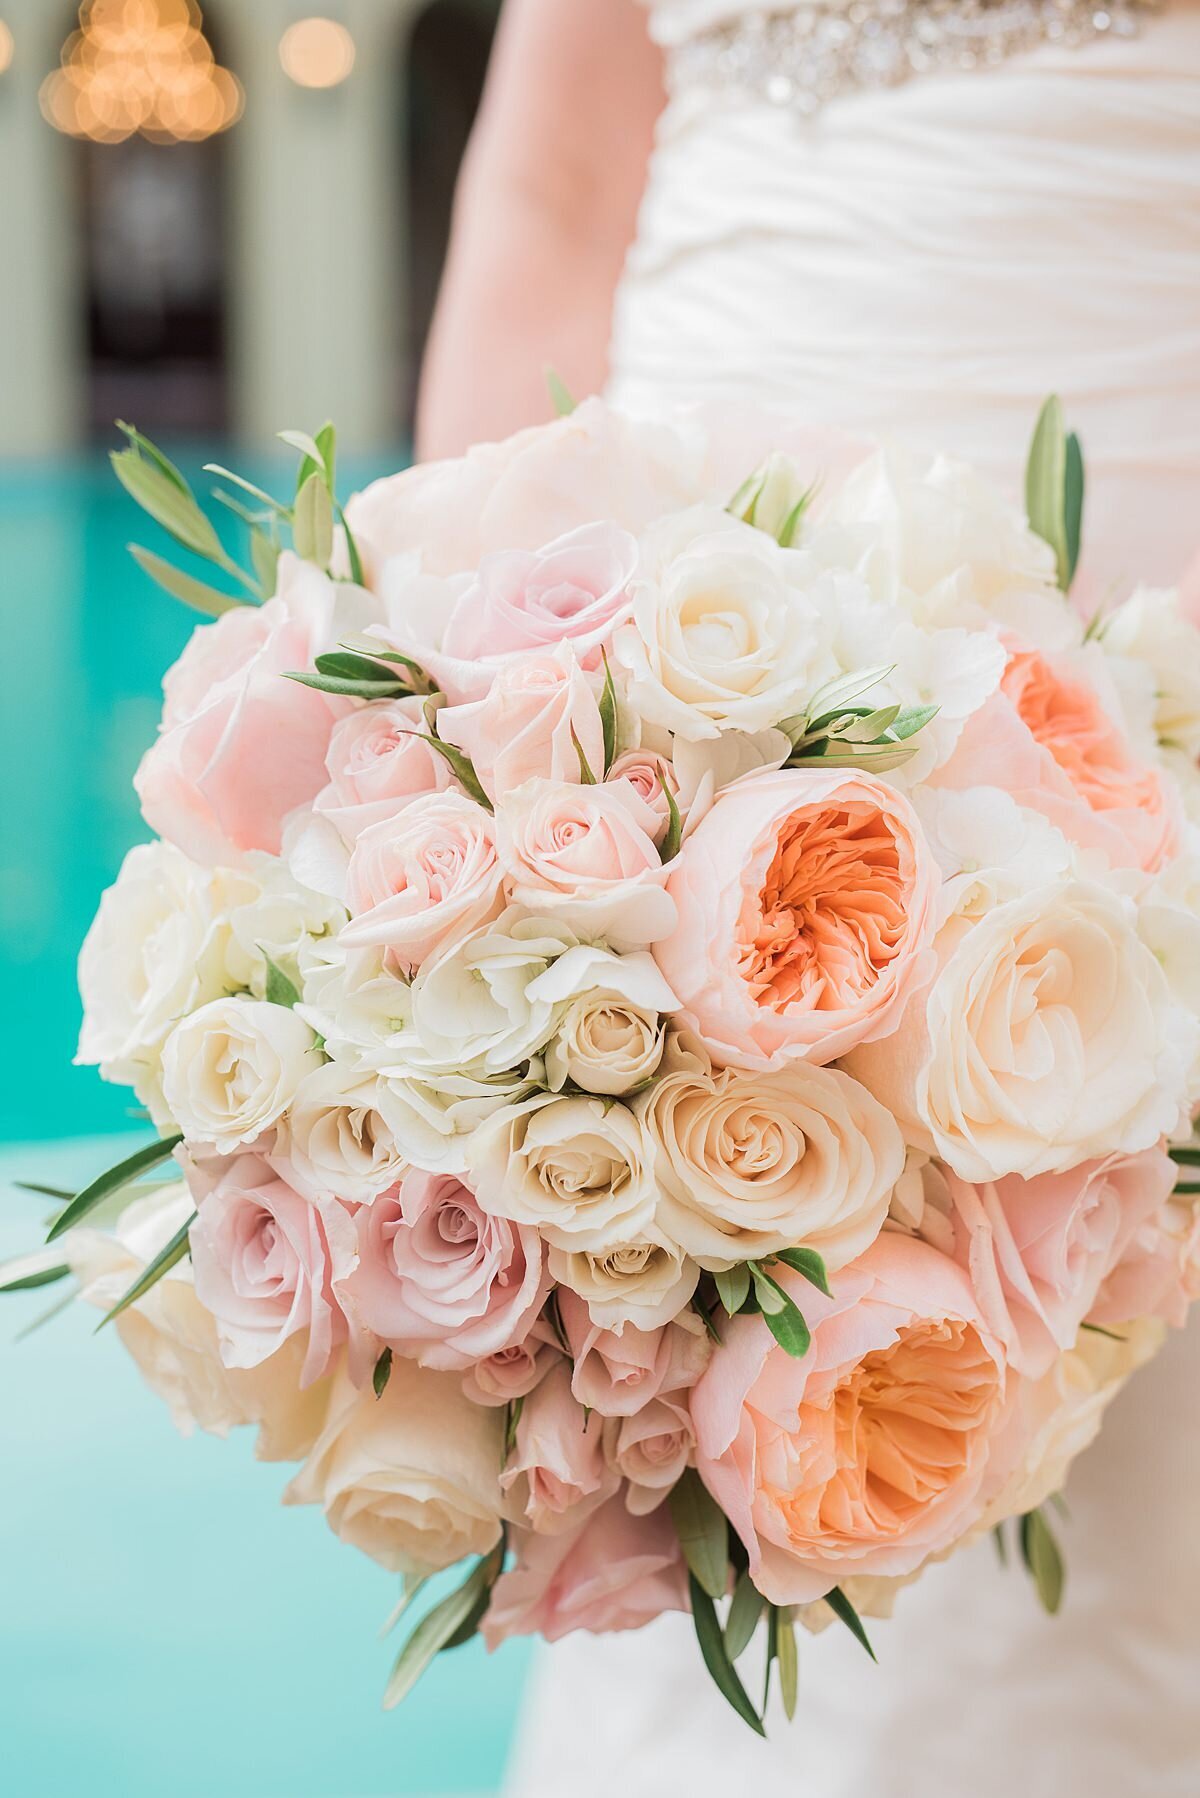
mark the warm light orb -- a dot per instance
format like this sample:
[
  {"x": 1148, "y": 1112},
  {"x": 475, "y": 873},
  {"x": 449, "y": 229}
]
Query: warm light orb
[
  {"x": 140, "y": 66},
  {"x": 6, "y": 48},
  {"x": 316, "y": 52}
]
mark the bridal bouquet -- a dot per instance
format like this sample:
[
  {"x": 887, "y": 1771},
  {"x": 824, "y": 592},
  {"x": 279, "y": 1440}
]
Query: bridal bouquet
[{"x": 675, "y": 1010}]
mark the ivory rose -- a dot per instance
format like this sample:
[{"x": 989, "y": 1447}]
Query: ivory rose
[
  {"x": 438, "y": 1279},
  {"x": 1048, "y": 1038},
  {"x": 537, "y": 720},
  {"x": 615, "y": 1572},
  {"x": 645, "y": 1283},
  {"x": 557, "y": 1471},
  {"x": 267, "y": 1262},
  {"x": 610, "y": 1033},
  {"x": 577, "y": 1170},
  {"x": 340, "y": 1135},
  {"x": 1153, "y": 628},
  {"x": 805, "y": 909},
  {"x": 464, "y": 633},
  {"x": 817, "y": 1463},
  {"x": 617, "y": 1372},
  {"x": 1038, "y": 1251},
  {"x": 587, "y": 856},
  {"x": 419, "y": 879},
  {"x": 231, "y": 1070},
  {"x": 239, "y": 746},
  {"x": 377, "y": 761},
  {"x": 748, "y": 1164},
  {"x": 410, "y": 1477}
]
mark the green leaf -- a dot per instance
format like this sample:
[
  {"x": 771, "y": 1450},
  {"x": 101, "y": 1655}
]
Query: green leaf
[
  {"x": 733, "y": 1287},
  {"x": 1045, "y": 485},
  {"x": 772, "y": 1654},
  {"x": 171, "y": 506},
  {"x": 418, "y": 678},
  {"x": 783, "y": 1316},
  {"x": 106, "y": 1183},
  {"x": 512, "y": 1419},
  {"x": 163, "y": 1262},
  {"x": 790, "y": 525},
  {"x": 703, "y": 1533},
  {"x": 312, "y": 522},
  {"x": 463, "y": 769},
  {"x": 1001, "y": 1541},
  {"x": 914, "y": 719},
  {"x": 716, "y": 1659},
  {"x": 439, "y": 1626},
  {"x": 311, "y": 453},
  {"x": 809, "y": 1264},
  {"x": 789, "y": 1662},
  {"x": 585, "y": 774},
  {"x": 414, "y": 1584},
  {"x": 264, "y": 553},
  {"x": 152, "y": 452},
  {"x": 197, "y": 594},
  {"x": 382, "y": 1373},
  {"x": 845, "y": 1612},
  {"x": 1043, "y": 1558},
  {"x": 355, "y": 560},
  {"x": 744, "y": 1613},
  {"x": 668, "y": 849},
  {"x": 1099, "y": 1330},
  {"x": 1186, "y": 1157},
  {"x": 44, "y": 1192},
  {"x": 608, "y": 717},
  {"x": 560, "y": 394},
  {"x": 1073, "y": 491},
  {"x": 350, "y": 664},
  {"x": 49, "y": 1276},
  {"x": 280, "y": 990},
  {"x": 833, "y": 698},
  {"x": 347, "y": 689},
  {"x": 869, "y": 728},
  {"x": 227, "y": 474}
]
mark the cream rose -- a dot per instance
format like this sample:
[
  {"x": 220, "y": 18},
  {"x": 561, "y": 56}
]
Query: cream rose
[
  {"x": 411, "y": 1477},
  {"x": 752, "y": 1163},
  {"x": 644, "y": 1283},
  {"x": 340, "y": 1135},
  {"x": 610, "y": 1037},
  {"x": 1152, "y": 629},
  {"x": 577, "y": 1169},
  {"x": 231, "y": 1070}
]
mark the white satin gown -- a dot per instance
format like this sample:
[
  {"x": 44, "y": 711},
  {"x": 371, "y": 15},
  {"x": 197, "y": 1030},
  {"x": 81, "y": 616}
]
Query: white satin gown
[{"x": 929, "y": 261}]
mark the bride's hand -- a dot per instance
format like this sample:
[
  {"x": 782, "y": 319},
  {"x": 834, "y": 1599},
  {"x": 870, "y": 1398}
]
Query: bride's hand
[{"x": 546, "y": 207}]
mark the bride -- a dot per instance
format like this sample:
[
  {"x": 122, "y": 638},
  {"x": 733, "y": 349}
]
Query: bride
[{"x": 918, "y": 219}]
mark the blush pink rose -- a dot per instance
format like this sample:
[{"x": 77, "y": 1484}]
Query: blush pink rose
[
  {"x": 557, "y": 1471},
  {"x": 1159, "y": 1273},
  {"x": 651, "y": 1450},
  {"x": 574, "y": 590},
  {"x": 648, "y": 773},
  {"x": 1038, "y": 1251},
  {"x": 422, "y": 878},
  {"x": 1047, "y": 739},
  {"x": 586, "y": 855},
  {"x": 537, "y": 717},
  {"x": 440, "y": 1281},
  {"x": 880, "y": 1447},
  {"x": 239, "y": 747},
  {"x": 378, "y": 760},
  {"x": 513, "y": 1372},
  {"x": 615, "y": 1572},
  {"x": 266, "y": 1263},
  {"x": 618, "y": 1373},
  {"x": 805, "y": 915}
]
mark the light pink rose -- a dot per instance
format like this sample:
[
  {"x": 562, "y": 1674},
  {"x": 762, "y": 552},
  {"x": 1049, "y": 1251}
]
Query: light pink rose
[
  {"x": 557, "y": 1471},
  {"x": 618, "y": 1373},
  {"x": 513, "y": 1372},
  {"x": 615, "y": 1572},
  {"x": 239, "y": 747},
  {"x": 422, "y": 878},
  {"x": 574, "y": 590},
  {"x": 1037, "y": 1251},
  {"x": 537, "y": 717},
  {"x": 586, "y": 855},
  {"x": 378, "y": 760},
  {"x": 440, "y": 1281},
  {"x": 1159, "y": 1273},
  {"x": 526, "y": 490},
  {"x": 879, "y": 1447},
  {"x": 651, "y": 1449},
  {"x": 266, "y": 1263},
  {"x": 805, "y": 914},
  {"x": 1047, "y": 739},
  {"x": 647, "y": 773}
]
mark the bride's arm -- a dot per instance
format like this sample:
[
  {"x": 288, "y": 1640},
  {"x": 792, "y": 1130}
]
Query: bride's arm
[{"x": 546, "y": 207}]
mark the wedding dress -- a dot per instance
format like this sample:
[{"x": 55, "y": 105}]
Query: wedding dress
[{"x": 929, "y": 259}]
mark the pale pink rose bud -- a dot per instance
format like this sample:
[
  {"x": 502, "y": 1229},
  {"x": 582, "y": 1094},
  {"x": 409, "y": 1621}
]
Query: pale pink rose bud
[
  {"x": 558, "y": 1470},
  {"x": 378, "y": 760},
  {"x": 651, "y": 1450},
  {"x": 538, "y": 718},
  {"x": 512, "y": 1373},
  {"x": 648, "y": 773},
  {"x": 617, "y": 1374}
]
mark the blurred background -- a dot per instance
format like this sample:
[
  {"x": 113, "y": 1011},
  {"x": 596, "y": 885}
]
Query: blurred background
[{"x": 217, "y": 221}]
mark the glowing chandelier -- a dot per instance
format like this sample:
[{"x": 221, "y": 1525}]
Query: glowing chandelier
[{"x": 140, "y": 66}]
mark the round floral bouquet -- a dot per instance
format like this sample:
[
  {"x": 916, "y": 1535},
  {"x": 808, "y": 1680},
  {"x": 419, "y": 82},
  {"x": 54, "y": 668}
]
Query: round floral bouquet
[{"x": 675, "y": 1014}]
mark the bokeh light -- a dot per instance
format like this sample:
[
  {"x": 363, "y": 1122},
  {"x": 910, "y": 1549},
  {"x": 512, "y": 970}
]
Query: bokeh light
[
  {"x": 6, "y": 47},
  {"x": 140, "y": 66},
  {"x": 316, "y": 52}
]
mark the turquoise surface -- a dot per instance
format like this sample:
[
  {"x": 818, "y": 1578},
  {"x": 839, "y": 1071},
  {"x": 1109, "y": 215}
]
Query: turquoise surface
[{"x": 165, "y": 1627}]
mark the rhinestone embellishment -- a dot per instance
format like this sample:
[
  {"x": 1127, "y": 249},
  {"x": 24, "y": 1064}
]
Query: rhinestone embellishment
[{"x": 813, "y": 53}]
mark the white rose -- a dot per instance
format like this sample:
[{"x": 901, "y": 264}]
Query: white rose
[
  {"x": 340, "y": 1135},
  {"x": 1049, "y": 1036},
  {"x": 578, "y": 1169},
  {"x": 1150, "y": 628},
  {"x": 610, "y": 1037},
  {"x": 156, "y": 951},
  {"x": 277, "y": 917},
  {"x": 773, "y": 498},
  {"x": 1169, "y": 924},
  {"x": 412, "y": 1477},
  {"x": 728, "y": 630},
  {"x": 173, "y": 1338},
  {"x": 644, "y": 1283},
  {"x": 231, "y": 1070},
  {"x": 752, "y": 1163}
]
